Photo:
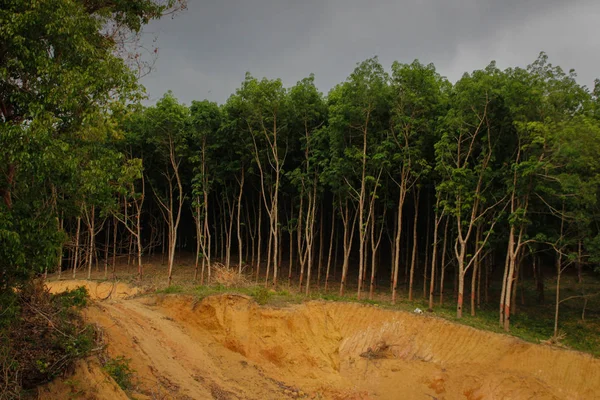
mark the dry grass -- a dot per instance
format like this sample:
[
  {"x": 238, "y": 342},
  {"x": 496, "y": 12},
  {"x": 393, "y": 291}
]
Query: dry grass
[
  {"x": 229, "y": 277},
  {"x": 556, "y": 340}
]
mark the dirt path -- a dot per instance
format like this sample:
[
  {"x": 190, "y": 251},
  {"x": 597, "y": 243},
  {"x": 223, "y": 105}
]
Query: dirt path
[{"x": 227, "y": 347}]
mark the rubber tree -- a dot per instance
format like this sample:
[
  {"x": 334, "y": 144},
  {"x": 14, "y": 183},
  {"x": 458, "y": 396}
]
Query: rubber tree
[
  {"x": 358, "y": 122},
  {"x": 164, "y": 128},
  {"x": 464, "y": 154},
  {"x": 261, "y": 109},
  {"x": 58, "y": 82},
  {"x": 205, "y": 122},
  {"x": 418, "y": 101},
  {"x": 309, "y": 112}
]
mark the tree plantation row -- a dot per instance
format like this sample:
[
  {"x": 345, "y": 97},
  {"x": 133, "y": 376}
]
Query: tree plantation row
[{"x": 402, "y": 178}]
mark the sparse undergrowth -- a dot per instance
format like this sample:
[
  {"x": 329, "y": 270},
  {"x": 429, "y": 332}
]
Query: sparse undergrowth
[
  {"x": 120, "y": 370},
  {"x": 43, "y": 339}
]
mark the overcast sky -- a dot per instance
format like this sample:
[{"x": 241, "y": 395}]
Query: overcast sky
[{"x": 205, "y": 52}]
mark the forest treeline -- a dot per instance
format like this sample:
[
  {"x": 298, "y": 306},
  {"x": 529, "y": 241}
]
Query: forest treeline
[{"x": 398, "y": 178}]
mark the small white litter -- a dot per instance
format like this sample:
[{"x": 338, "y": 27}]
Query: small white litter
[{"x": 418, "y": 311}]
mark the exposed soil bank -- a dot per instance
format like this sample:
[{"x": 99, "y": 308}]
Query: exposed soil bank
[{"x": 228, "y": 347}]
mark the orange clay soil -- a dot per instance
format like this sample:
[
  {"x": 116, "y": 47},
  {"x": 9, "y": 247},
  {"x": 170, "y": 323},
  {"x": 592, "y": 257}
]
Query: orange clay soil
[{"x": 228, "y": 347}]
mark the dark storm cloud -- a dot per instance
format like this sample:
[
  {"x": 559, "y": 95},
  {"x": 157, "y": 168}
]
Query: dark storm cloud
[{"x": 205, "y": 52}]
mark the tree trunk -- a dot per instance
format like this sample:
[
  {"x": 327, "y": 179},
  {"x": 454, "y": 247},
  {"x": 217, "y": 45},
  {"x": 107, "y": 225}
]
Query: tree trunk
[
  {"x": 321, "y": 240},
  {"x": 229, "y": 232},
  {"x": 476, "y": 264},
  {"x": 375, "y": 242},
  {"x": 414, "y": 247},
  {"x": 239, "y": 223},
  {"x": 443, "y": 263},
  {"x": 397, "y": 243},
  {"x": 348, "y": 237},
  {"x": 291, "y": 250},
  {"x": 106, "y": 246},
  {"x": 92, "y": 232},
  {"x": 437, "y": 220},
  {"x": 426, "y": 264},
  {"x": 259, "y": 243},
  {"x": 329, "y": 254},
  {"x": 114, "y": 257}
]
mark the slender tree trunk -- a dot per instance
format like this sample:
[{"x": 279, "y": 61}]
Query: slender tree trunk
[
  {"x": 223, "y": 230},
  {"x": 291, "y": 250},
  {"x": 61, "y": 249},
  {"x": 106, "y": 246},
  {"x": 397, "y": 241},
  {"x": 163, "y": 243},
  {"x": 129, "y": 251},
  {"x": 321, "y": 240},
  {"x": 392, "y": 240},
  {"x": 557, "y": 298},
  {"x": 375, "y": 242},
  {"x": 336, "y": 252},
  {"x": 513, "y": 301},
  {"x": 426, "y": 265},
  {"x": 114, "y": 257},
  {"x": 252, "y": 233},
  {"x": 504, "y": 287},
  {"x": 443, "y": 264},
  {"x": 301, "y": 238},
  {"x": 361, "y": 219},
  {"x": 92, "y": 233},
  {"x": 239, "y": 223},
  {"x": 259, "y": 244},
  {"x": 437, "y": 217},
  {"x": 329, "y": 254},
  {"x": 414, "y": 248},
  {"x": 199, "y": 220},
  {"x": 348, "y": 237},
  {"x": 229, "y": 232},
  {"x": 476, "y": 263}
]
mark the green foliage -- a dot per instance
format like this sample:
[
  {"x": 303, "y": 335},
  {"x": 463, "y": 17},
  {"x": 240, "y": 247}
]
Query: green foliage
[
  {"x": 62, "y": 90},
  {"x": 77, "y": 298},
  {"x": 261, "y": 294},
  {"x": 46, "y": 336},
  {"x": 120, "y": 370},
  {"x": 171, "y": 289}
]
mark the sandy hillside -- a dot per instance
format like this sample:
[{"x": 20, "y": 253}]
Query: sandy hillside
[{"x": 228, "y": 347}]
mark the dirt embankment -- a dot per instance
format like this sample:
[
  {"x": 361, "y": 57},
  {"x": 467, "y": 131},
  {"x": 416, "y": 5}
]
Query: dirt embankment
[{"x": 228, "y": 347}]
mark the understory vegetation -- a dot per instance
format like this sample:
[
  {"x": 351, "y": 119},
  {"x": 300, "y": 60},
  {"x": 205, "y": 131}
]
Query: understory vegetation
[{"x": 45, "y": 340}]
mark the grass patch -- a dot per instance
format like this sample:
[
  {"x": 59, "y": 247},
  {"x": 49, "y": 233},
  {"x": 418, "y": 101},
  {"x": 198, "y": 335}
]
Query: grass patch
[
  {"x": 171, "y": 290},
  {"x": 120, "y": 370}
]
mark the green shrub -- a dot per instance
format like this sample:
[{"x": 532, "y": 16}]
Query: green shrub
[
  {"x": 120, "y": 370},
  {"x": 45, "y": 338},
  {"x": 261, "y": 294},
  {"x": 77, "y": 298},
  {"x": 171, "y": 289}
]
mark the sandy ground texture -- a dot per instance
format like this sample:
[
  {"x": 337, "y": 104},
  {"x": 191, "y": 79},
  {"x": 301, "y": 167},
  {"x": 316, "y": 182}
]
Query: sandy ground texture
[{"x": 228, "y": 347}]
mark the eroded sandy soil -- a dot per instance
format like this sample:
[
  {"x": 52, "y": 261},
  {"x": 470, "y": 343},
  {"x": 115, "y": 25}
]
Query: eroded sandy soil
[{"x": 228, "y": 347}]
